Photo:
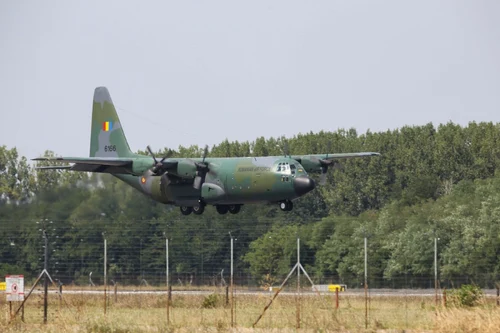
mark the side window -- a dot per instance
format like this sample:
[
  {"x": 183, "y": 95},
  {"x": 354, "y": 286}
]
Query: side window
[{"x": 292, "y": 168}]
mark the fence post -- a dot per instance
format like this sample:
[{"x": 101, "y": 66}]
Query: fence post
[{"x": 444, "y": 297}]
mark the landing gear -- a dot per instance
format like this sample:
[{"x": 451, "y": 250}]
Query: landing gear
[
  {"x": 286, "y": 205},
  {"x": 186, "y": 210},
  {"x": 198, "y": 210},
  {"x": 234, "y": 209},
  {"x": 222, "y": 209}
]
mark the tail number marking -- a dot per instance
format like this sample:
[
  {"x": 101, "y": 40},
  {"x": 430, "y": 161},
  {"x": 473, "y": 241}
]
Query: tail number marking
[{"x": 110, "y": 148}]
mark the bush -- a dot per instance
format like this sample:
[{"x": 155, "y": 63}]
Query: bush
[
  {"x": 211, "y": 301},
  {"x": 466, "y": 295}
]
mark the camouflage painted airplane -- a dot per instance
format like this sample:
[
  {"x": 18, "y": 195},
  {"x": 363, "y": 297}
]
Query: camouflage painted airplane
[{"x": 193, "y": 183}]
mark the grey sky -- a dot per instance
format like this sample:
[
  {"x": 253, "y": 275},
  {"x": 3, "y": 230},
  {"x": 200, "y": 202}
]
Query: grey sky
[{"x": 197, "y": 72}]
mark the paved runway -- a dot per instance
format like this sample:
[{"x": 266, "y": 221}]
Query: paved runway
[{"x": 289, "y": 291}]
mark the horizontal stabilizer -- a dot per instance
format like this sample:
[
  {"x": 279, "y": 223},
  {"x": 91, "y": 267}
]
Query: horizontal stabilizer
[
  {"x": 88, "y": 160},
  {"x": 91, "y": 164}
]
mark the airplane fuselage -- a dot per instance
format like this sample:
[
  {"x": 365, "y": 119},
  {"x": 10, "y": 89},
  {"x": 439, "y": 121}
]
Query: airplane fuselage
[{"x": 231, "y": 181}]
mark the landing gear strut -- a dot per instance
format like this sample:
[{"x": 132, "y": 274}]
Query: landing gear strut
[{"x": 286, "y": 205}]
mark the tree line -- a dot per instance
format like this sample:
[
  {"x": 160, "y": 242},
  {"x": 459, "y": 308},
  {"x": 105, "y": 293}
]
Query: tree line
[{"x": 430, "y": 182}]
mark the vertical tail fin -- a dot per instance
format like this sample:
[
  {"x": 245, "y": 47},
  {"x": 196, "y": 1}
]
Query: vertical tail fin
[{"x": 107, "y": 138}]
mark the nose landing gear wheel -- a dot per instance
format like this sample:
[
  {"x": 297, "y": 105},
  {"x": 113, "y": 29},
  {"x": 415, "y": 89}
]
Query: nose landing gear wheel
[
  {"x": 186, "y": 210},
  {"x": 286, "y": 206}
]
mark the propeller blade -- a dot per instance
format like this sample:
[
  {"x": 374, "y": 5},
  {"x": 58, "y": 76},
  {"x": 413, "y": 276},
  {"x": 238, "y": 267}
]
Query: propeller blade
[
  {"x": 324, "y": 170},
  {"x": 167, "y": 155},
  {"x": 151, "y": 153},
  {"x": 158, "y": 165},
  {"x": 338, "y": 166},
  {"x": 205, "y": 152},
  {"x": 197, "y": 182},
  {"x": 322, "y": 180},
  {"x": 285, "y": 148},
  {"x": 201, "y": 170},
  {"x": 328, "y": 147}
]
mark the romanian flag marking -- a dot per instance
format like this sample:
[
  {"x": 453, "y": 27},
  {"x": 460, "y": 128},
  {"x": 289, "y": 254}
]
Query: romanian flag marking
[{"x": 107, "y": 126}]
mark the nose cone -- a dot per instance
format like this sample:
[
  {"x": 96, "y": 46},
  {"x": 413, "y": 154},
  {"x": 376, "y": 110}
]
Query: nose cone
[{"x": 303, "y": 184}]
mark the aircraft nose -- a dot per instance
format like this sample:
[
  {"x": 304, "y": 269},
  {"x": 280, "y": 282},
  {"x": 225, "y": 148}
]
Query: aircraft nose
[{"x": 303, "y": 184}]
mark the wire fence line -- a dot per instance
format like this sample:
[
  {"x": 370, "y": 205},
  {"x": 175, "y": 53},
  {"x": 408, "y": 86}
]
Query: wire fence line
[{"x": 138, "y": 257}]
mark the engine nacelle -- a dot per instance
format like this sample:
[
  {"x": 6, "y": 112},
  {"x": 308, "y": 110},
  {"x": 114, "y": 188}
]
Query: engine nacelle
[
  {"x": 185, "y": 169},
  {"x": 311, "y": 165}
]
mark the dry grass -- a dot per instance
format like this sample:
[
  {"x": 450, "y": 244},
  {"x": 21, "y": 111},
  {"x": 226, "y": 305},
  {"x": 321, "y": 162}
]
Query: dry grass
[{"x": 147, "y": 313}]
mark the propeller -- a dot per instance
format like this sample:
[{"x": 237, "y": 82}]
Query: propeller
[
  {"x": 158, "y": 165},
  {"x": 325, "y": 163},
  {"x": 284, "y": 146},
  {"x": 324, "y": 169},
  {"x": 285, "y": 149},
  {"x": 201, "y": 170}
]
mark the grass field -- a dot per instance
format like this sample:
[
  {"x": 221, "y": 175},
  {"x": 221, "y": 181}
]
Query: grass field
[{"x": 209, "y": 313}]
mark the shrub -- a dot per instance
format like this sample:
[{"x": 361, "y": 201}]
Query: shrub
[
  {"x": 211, "y": 301},
  {"x": 466, "y": 295}
]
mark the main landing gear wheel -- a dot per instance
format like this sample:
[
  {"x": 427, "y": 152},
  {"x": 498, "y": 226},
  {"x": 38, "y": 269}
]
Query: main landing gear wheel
[
  {"x": 234, "y": 209},
  {"x": 222, "y": 209},
  {"x": 198, "y": 210},
  {"x": 286, "y": 206},
  {"x": 186, "y": 210}
]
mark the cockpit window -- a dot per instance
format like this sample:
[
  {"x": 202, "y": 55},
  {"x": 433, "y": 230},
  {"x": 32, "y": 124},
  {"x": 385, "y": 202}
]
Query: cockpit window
[{"x": 285, "y": 168}]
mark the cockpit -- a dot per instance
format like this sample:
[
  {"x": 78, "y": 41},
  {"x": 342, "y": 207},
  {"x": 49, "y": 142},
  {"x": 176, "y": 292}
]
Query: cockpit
[
  {"x": 290, "y": 171},
  {"x": 286, "y": 168},
  {"x": 289, "y": 168}
]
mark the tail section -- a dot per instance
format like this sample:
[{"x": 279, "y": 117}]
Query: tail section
[{"x": 107, "y": 138}]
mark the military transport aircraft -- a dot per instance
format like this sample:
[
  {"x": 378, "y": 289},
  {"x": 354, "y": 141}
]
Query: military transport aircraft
[{"x": 193, "y": 183}]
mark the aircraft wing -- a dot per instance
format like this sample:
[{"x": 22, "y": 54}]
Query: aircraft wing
[
  {"x": 334, "y": 156},
  {"x": 90, "y": 164},
  {"x": 341, "y": 155}
]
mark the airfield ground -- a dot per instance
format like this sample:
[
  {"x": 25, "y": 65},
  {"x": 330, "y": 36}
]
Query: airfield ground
[{"x": 80, "y": 311}]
